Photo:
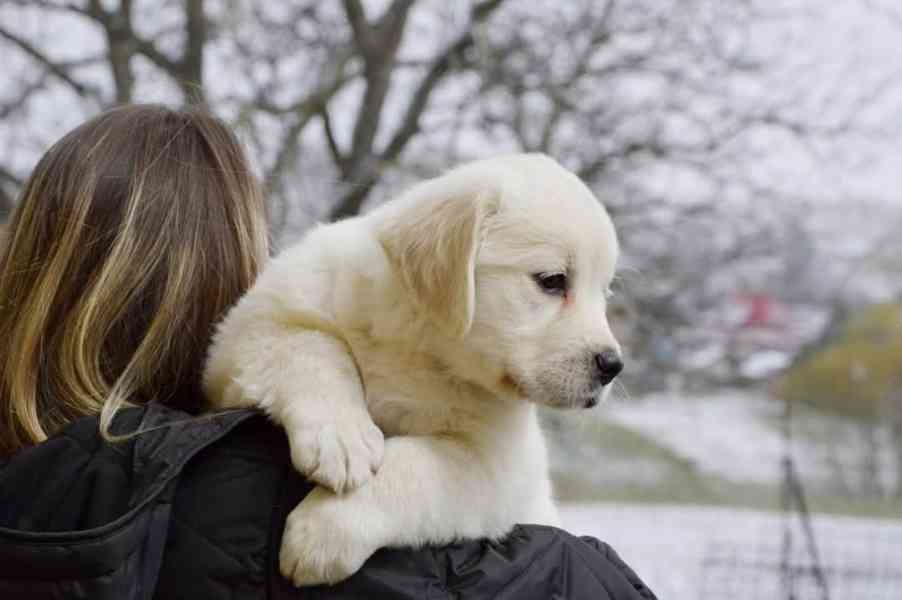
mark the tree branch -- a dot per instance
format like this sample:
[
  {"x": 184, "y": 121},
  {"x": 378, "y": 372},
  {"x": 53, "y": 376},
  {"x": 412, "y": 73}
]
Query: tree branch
[
  {"x": 119, "y": 34},
  {"x": 305, "y": 109},
  {"x": 441, "y": 66},
  {"x": 187, "y": 69},
  {"x": 393, "y": 17},
  {"x": 380, "y": 46},
  {"x": 364, "y": 176},
  {"x": 149, "y": 50},
  {"x": 359, "y": 25},
  {"x": 11, "y": 106},
  {"x": 337, "y": 156},
  {"x": 57, "y": 69},
  {"x": 191, "y": 65},
  {"x": 68, "y": 7}
]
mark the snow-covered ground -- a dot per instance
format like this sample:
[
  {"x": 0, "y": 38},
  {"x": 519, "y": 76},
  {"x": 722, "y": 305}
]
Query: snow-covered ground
[
  {"x": 703, "y": 553},
  {"x": 735, "y": 434},
  {"x": 727, "y": 434}
]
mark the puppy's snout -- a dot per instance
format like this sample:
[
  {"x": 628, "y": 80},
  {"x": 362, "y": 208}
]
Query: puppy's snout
[{"x": 608, "y": 365}]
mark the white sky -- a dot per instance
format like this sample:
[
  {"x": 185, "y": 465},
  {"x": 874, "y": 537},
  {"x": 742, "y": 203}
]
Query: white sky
[{"x": 852, "y": 47}]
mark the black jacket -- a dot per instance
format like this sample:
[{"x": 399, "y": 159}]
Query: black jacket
[{"x": 196, "y": 511}]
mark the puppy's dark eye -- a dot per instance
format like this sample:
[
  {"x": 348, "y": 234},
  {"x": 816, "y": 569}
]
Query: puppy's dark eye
[{"x": 552, "y": 283}]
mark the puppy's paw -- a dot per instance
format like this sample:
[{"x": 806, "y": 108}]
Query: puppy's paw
[
  {"x": 325, "y": 541},
  {"x": 340, "y": 454}
]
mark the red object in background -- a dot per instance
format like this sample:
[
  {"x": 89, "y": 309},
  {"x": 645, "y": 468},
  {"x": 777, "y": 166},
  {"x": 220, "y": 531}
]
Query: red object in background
[{"x": 760, "y": 310}]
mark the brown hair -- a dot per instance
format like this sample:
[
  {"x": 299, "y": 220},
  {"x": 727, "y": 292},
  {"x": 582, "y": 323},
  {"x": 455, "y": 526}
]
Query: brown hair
[{"x": 133, "y": 235}]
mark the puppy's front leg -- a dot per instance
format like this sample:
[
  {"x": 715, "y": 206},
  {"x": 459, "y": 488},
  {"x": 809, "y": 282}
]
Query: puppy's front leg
[
  {"x": 307, "y": 382},
  {"x": 281, "y": 349},
  {"x": 428, "y": 490}
]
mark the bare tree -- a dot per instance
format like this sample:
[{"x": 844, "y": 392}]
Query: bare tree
[
  {"x": 350, "y": 49},
  {"x": 669, "y": 109},
  {"x": 633, "y": 94},
  {"x": 123, "y": 44}
]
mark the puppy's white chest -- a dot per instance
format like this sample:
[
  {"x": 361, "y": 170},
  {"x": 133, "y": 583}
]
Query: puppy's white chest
[
  {"x": 411, "y": 405},
  {"x": 409, "y": 392}
]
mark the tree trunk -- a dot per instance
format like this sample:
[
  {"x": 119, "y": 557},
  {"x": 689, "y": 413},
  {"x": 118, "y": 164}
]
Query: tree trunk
[{"x": 191, "y": 66}]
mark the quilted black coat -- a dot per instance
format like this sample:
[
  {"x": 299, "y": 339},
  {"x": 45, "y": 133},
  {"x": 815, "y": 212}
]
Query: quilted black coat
[{"x": 196, "y": 510}]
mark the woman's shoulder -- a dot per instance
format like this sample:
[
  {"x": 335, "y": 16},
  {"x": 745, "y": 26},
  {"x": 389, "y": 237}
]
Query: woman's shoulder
[
  {"x": 232, "y": 488},
  {"x": 532, "y": 562},
  {"x": 237, "y": 495},
  {"x": 76, "y": 481},
  {"x": 76, "y": 511},
  {"x": 51, "y": 486}
]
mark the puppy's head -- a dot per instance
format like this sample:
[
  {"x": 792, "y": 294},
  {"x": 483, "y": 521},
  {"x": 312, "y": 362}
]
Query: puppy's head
[{"x": 512, "y": 258}]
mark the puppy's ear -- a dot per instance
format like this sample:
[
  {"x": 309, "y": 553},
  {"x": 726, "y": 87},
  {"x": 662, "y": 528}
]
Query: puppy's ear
[{"x": 432, "y": 242}]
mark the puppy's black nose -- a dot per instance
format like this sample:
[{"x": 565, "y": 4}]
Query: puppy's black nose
[{"x": 609, "y": 366}]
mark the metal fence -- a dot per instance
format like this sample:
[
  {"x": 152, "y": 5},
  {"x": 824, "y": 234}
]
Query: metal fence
[{"x": 868, "y": 568}]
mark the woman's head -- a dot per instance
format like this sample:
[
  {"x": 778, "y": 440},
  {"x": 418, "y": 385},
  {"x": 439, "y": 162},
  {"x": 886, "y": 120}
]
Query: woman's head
[{"x": 133, "y": 235}]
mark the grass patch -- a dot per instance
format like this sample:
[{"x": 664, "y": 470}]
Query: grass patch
[
  {"x": 605, "y": 446},
  {"x": 856, "y": 374},
  {"x": 584, "y": 454}
]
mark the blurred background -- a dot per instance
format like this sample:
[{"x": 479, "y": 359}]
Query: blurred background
[{"x": 748, "y": 150}]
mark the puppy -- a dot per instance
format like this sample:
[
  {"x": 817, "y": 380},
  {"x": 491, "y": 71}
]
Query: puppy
[{"x": 439, "y": 320}]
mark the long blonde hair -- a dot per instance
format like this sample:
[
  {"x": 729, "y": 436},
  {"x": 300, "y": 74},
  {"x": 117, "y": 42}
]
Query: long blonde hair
[{"x": 133, "y": 235}]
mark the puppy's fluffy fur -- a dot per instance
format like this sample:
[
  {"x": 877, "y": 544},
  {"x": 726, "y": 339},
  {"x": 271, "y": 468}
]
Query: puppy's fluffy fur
[{"x": 429, "y": 320}]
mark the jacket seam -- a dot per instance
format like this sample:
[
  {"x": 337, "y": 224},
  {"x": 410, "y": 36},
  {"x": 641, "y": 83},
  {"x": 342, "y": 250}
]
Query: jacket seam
[
  {"x": 79, "y": 443},
  {"x": 641, "y": 592},
  {"x": 595, "y": 575},
  {"x": 528, "y": 568},
  {"x": 115, "y": 526},
  {"x": 207, "y": 541},
  {"x": 90, "y": 456}
]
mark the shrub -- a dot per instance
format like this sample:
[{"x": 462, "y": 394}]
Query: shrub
[{"x": 855, "y": 373}]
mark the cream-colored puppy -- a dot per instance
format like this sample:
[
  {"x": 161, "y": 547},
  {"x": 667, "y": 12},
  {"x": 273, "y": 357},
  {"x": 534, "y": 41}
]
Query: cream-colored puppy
[{"x": 440, "y": 319}]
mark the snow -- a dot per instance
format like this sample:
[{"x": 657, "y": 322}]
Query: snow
[
  {"x": 765, "y": 364},
  {"x": 735, "y": 434},
  {"x": 696, "y": 552},
  {"x": 726, "y": 434}
]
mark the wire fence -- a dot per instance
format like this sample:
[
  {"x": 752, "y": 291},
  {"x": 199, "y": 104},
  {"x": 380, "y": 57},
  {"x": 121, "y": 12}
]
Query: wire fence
[
  {"x": 806, "y": 562},
  {"x": 854, "y": 569}
]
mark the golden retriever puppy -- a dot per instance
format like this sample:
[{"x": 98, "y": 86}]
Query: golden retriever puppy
[{"x": 439, "y": 320}]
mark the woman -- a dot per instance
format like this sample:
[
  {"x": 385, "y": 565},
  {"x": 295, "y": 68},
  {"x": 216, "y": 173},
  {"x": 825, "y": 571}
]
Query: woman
[{"x": 133, "y": 235}]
